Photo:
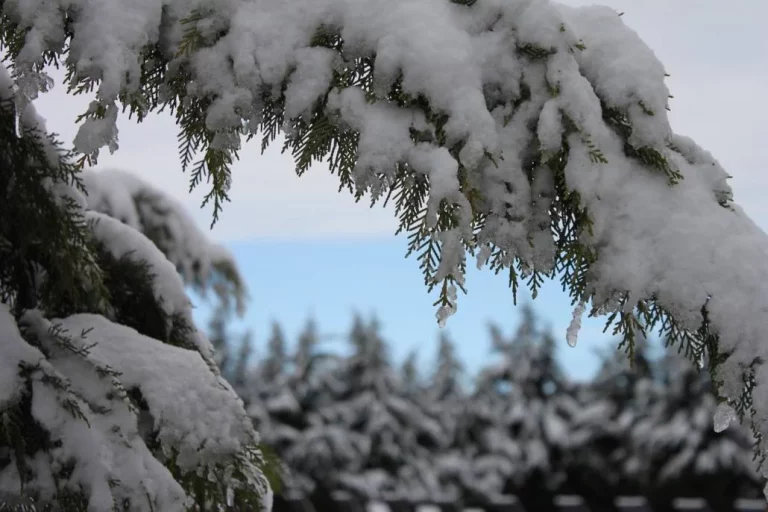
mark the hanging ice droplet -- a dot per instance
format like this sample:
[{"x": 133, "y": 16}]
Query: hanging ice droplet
[
  {"x": 446, "y": 310},
  {"x": 572, "y": 335},
  {"x": 724, "y": 415}
]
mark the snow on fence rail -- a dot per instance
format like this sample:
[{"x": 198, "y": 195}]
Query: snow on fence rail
[{"x": 564, "y": 503}]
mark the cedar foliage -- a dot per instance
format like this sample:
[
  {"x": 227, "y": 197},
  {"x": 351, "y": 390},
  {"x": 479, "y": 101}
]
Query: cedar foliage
[{"x": 53, "y": 267}]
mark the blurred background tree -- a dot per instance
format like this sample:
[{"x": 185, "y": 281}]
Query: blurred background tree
[{"x": 356, "y": 422}]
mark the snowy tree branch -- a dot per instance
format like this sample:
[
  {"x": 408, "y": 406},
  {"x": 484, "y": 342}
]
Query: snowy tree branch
[{"x": 529, "y": 133}]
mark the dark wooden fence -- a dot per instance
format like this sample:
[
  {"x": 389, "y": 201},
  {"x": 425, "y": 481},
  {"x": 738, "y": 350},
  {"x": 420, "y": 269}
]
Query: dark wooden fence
[{"x": 343, "y": 502}]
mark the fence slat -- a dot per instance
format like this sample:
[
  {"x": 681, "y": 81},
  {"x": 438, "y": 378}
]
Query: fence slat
[
  {"x": 377, "y": 506},
  {"x": 691, "y": 505},
  {"x": 570, "y": 503},
  {"x": 507, "y": 503},
  {"x": 632, "y": 504},
  {"x": 744, "y": 505}
]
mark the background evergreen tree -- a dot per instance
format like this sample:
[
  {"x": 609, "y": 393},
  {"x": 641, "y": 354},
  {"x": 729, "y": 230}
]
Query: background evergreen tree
[
  {"x": 446, "y": 382},
  {"x": 602, "y": 461},
  {"x": 410, "y": 377},
  {"x": 273, "y": 365},
  {"x": 681, "y": 453},
  {"x": 445, "y": 395},
  {"x": 241, "y": 374},
  {"x": 368, "y": 388},
  {"x": 220, "y": 340},
  {"x": 272, "y": 396},
  {"x": 533, "y": 405},
  {"x": 384, "y": 429},
  {"x": 600, "y": 441}
]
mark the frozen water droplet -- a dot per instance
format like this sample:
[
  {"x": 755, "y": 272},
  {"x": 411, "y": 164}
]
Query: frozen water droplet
[
  {"x": 572, "y": 335},
  {"x": 724, "y": 415}
]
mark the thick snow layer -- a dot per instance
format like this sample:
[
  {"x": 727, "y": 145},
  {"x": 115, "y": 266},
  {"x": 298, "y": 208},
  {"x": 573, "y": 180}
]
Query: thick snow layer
[
  {"x": 121, "y": 240},
  {"x": 167, "y": 223},
  {"x": 93, "y": 427},
  {"x": 676, "y": 244},
  {"x": 14, "y": 351},
  {"x": 193, "y": 409}
]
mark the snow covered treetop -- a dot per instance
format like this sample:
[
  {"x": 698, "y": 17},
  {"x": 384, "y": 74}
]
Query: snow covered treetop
[{"x": 527, "y": 133}]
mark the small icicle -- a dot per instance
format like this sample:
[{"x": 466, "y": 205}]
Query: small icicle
[
  {"x": 446, "y": 310},
  {"x": 572, "y": 334}
]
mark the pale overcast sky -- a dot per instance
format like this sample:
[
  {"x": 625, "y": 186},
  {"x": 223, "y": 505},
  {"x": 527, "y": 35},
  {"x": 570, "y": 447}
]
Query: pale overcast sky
[
  {"x": 306, "y": 249},
  {"x": 715, "y": 50}
]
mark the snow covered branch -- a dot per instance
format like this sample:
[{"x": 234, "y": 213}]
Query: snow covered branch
[
  {"x": 528, "y": 133},
  {"x": 109, "y": 395},
  {"x": 201, "y": 263}
]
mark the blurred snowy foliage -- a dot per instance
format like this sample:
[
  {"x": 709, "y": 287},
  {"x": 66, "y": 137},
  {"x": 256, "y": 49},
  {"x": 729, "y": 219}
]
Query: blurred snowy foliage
[{"x": 360, "y": 425}]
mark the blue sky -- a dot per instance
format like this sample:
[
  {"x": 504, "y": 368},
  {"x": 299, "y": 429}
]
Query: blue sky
[
  {"x": 291, "y": 281},
  {"x": 305, "y": 249}
]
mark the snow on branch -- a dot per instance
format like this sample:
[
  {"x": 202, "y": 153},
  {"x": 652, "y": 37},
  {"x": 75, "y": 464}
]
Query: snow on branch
[
  {"x": 531, "y": 134},
  {"x": 117, "y": 403},
  {"x": 166, "y": 222},
  {"x": 191, "y": 407}
]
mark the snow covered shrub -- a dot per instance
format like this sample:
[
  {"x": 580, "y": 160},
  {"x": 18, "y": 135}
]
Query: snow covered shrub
[
  {"x": 524, "y": 132},
  {"x": 109, "y": 396}
]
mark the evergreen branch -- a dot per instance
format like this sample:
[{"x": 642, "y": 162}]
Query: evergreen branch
[{"x": 534, "y": 52}]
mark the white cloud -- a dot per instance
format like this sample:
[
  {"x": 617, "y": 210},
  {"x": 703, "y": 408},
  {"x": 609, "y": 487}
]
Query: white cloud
[
  {"x": 715, "y": 54},
  {"x": 268, "y": 200}
]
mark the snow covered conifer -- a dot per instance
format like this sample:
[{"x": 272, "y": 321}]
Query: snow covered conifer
[
  {"x": 241, "y": 374},
  {"x": 289, "y": 389},
  {"x": 273, "y": 364},
  {"x": 602, "y": 460},
  {"x": 446, "y": 378},
  {"x": 306, "y": 354},
  {"x": 529, "y": 134},
  {"x": 445, "y": 393},
  {"x": 220, "y": 340},
  {"x": 533, "y": 400},
  {"x": 368, "y": 426},
  {"x": 410, "y": 377},
  {"x": 109, "y": 395},
  {"x": 273, "y": 395}
]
